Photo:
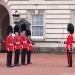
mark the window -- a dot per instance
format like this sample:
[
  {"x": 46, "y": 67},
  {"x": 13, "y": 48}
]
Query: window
[{"x": 37, "y": 25}]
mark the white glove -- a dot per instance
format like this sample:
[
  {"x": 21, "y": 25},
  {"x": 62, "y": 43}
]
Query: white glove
[
  {"x": 3, "y": 41},
  {"x": 69, "y": 49},
  {"x": 8, "y": 49}
]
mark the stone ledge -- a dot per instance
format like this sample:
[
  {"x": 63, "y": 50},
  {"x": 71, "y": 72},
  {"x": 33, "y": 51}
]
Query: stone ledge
[
  {"x": 43, "y": 2},
  {"x": 56, "y": 50}
]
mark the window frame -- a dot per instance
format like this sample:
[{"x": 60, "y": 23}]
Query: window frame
[
  {"x": 39, "y": 37},
  {"x": 29, "y": 18}
]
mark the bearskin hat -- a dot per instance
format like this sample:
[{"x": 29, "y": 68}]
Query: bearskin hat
[
  {"x": 70, "y": 28},
  {"x": 9, "y": 29},
  {"x": 16, "y": 29},
  {"x": 28, "y": 32},
  {"x": 23, "y": 27}
]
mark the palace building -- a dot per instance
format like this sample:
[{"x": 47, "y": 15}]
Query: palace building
[{"x": 48, "y": 18}]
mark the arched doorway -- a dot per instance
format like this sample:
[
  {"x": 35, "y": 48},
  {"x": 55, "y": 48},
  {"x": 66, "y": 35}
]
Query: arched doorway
[{"x": 4, "y": 22}]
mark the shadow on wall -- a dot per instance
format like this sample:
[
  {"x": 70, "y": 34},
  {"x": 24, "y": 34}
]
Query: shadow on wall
[{"x": 4, "y": 24}]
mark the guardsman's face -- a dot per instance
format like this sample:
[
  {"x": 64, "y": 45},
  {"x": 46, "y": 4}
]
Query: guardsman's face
[
  {"x": 23, "y": 32},
  {"x": 10, "y": 34},
  {"x": 29, "y": 37},
  {"x": 68, "y": 32},
  {"x": 16, "y": 33}
]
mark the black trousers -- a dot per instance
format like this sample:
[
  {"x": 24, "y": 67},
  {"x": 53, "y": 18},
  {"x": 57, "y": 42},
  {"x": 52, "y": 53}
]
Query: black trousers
[
  {"x": 28, "y": 56},
  {"x": 9, "y": 58},
  {"x": 69, "y": 57},
  {"x": 17, "y": 54},
  {"x": 23, "y": 55}
]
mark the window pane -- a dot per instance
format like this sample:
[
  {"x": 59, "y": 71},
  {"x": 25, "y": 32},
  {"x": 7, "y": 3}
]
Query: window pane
[
  {"x": 37, "y": 18},
  {"x": 37, "y": 31},
  {"x": 41, "y": 23},
  {"x": 33, "y": 17},
  {"x": 37, "y": 25},
  {"x": 41, "y": 17},
  {"x": 33, "y": 23},
  {"x": 41, "y": 31},
  {"x": 37, "y": 22}
]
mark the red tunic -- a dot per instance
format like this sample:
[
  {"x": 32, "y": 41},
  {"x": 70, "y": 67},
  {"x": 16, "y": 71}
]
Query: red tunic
[
  {"x": 69, "y": 41},
  {"x": 30, "y": 48},
  {"x": 18, "y": 42},
  {"x": 9, "y": 44},
  {"x": 24, "y": 40}
]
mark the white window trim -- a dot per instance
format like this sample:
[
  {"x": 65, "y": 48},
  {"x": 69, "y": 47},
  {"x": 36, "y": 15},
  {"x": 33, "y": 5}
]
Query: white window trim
[
  {"x": 37, "y": 38},
  {"x": 38, "y": 25}
]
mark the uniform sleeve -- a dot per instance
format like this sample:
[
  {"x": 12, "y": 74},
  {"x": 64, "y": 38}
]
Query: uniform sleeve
[
  {"x": 67, "y": 40},
  {"x": 7, "y": 43},
  {"x": 15, "y": 38},
  {"x": 25, "y": 38},
  {"x": 22, "y": 41},
  {"x": 15, "y": 42},
  {"x": 21, "y": 38},
  {"x": 70, "y": 40}
]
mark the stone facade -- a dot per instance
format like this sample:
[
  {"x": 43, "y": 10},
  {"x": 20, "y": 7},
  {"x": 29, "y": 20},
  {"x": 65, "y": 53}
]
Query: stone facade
[{"x": 56, "y": 13}]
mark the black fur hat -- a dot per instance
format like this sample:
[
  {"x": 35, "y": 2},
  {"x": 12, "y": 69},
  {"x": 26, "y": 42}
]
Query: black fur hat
[
  {"x": 28, "y": 32},
  {"x": 70, "y": 28},
  {"x": 16, "y": 29},
  {"x": 9, "y": 29},
  {"x": 23, "y": 27}
]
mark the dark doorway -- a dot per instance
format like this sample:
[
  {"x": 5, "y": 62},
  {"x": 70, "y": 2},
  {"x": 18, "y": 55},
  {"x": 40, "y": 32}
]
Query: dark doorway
[{"x": 4, "y": 18}]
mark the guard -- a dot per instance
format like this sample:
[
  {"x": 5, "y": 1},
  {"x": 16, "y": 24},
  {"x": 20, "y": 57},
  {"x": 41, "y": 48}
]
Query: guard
[
  {"x": 30, "y": 48},
  {"x": 9, "y": 46},
  {"x": 17, "y": 46},
  {"x": 24, "y": 45},
  {"x": 69, "y": 45}
]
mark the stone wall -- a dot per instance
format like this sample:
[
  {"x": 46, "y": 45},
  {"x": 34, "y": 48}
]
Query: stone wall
[
  {"x": 57, "y": 14},
  {"x": 56, "y": 50}
]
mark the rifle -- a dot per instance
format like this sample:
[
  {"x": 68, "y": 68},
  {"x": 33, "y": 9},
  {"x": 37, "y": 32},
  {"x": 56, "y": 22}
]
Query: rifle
[
  {"x": 13, "y": 41},
  {"x": 29, "y": 39},
  {"x": 20, "y": 39},
  {"x": 32, "y": 42}
]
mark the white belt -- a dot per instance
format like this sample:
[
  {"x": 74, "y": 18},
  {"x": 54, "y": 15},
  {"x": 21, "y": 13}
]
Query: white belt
[
  {"x": 30, "y": 44},
  {"x": 17, "y": 42},
  {"x": 24, "y": 41},
  {"x": 11, "y": 44}
]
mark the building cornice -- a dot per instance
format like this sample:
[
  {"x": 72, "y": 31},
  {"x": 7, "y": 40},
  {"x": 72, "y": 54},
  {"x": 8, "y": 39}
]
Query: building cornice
[{"x": 43, "y": 2}]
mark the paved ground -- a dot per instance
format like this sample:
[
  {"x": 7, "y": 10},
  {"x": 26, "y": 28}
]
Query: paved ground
[{"x": 43, "y": 64}]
